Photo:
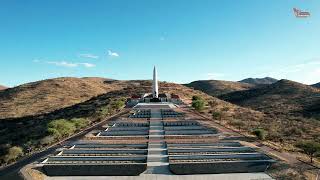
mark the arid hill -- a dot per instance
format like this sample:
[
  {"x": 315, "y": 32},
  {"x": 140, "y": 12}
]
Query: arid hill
[
  {"x": 316, "y": 85},
  {"x": 283, "y": 97},
  {"x": 43, "y": 97},
  {"x": 259, "y": 81},
  {"x": 48, "y": 95},
  {"x": 217, "y": 88},
  {"x": 2, "y": 87}
]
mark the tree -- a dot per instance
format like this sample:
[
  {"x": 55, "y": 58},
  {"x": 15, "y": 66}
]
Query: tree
[
  {"x": 260, "y": 133},
  {"x": 312, "y": 149},
  {"x": 198, "y": 104},
  {"x": 13, "y": 153}
]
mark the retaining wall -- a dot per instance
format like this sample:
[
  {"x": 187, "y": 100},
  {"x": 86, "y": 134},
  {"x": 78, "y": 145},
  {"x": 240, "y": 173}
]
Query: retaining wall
[
  {"x": 94, "y": 170},
  {"x": 219, "y": 167}
]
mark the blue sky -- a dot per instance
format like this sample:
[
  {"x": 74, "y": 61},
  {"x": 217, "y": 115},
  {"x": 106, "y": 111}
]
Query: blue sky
[{"x": 186, "y": 39}]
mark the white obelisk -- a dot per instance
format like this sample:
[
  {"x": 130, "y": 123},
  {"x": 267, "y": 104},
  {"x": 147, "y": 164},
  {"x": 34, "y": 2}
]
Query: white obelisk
[{"x": 155, "y": 91}]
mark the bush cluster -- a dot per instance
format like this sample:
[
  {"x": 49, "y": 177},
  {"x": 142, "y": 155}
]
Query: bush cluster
[
  {"x": 198, "y": 103},
  {"x": 260, "y": 133},
  {"x": 311, "y": 148},
  {"x": 13, "y": 153},
  {"x": 62, "y": 128}
]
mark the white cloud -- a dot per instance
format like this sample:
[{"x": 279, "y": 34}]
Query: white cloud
[
  {"x": 36, "y": 61},
  {"x": 113, "y": 54},
  {"x": 91, "y": 56},
  {"x": 69, "y": 64},
  {"x": 215, "y": 75},
  {"x": 162, "y": 38},
  {"x": 88, "y": 65},
  {"x": 63, "y": 63}
]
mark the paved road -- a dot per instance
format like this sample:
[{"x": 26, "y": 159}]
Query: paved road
[{"x": 14, "y": 168}]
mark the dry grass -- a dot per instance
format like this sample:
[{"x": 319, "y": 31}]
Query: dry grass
[
  {"x": 49, "y": 95},
  {"x": 217, "y": 88}
]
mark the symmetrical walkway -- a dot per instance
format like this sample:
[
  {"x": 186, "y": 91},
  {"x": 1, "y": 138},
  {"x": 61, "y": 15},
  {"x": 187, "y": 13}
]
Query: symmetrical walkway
[{"x": 157, "y": 160}]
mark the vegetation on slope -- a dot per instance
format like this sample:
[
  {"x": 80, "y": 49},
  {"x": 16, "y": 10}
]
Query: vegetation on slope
[
  {"x": 291, "y": 111},
  {"x": 49, "y": 95},
  {"x": 259, "y": 81},
  {"x": 217, "y": 88},
  {"x": 32, "y": 133},
  {"x": 282, "y": 98}
]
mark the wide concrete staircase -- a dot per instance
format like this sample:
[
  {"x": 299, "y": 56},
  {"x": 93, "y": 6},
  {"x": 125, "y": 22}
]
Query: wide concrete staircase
[{"x": 157, "y": 152}]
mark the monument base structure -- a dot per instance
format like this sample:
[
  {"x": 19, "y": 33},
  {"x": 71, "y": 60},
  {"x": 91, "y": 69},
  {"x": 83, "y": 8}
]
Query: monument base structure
[{"x": 155, "y": 100}]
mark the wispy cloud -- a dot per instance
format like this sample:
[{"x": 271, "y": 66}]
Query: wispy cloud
[
  {"x": 215, "y": 75},
  {"x": 70, "y": 64},
  {"x": 88, "y": 65},
  {"x": 63, "y": 63},
  {"x": 113, "y": 54},
  {"x": 87, "y": 55}
]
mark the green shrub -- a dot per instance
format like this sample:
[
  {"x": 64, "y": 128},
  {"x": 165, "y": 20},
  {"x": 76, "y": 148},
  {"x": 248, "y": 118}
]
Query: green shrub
[
  {"x": 54, "y": 132},
  {"x": 195, "y": 98},
  {"x": 13, "y": 153},
  {"x": 216, "y": 115},
  {"x": 61, "y": 128},
  {"x": 260, "y": 133},
  {"x": 118, "y": 104},
  {"x": 198, "y": 105},
  {"x": 105, "y": 110},
  {"x": 80, "y": 123},
  {"x": 311, "y": 148}
]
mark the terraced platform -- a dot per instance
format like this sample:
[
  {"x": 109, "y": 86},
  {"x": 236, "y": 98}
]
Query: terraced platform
[{"x": 155, "y": 140}]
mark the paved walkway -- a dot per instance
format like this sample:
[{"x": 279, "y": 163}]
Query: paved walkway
[{"x": 157, "y": 162}]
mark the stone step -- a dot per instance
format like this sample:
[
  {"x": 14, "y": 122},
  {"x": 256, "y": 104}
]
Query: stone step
[
  {"x": 157, "y": 151},
  {"x": 156, "y": 145},
  {"x": 158, "y": 169},
  {"x": 156, "y": 133},
  {"x": 163, "y": 159},
  {"x": 156, "y": 137}
]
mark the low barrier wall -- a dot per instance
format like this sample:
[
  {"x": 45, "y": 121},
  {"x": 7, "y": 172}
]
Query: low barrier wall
[
  {"x": 220, "y": 167},
  {"x": 94, "y": 170}
]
